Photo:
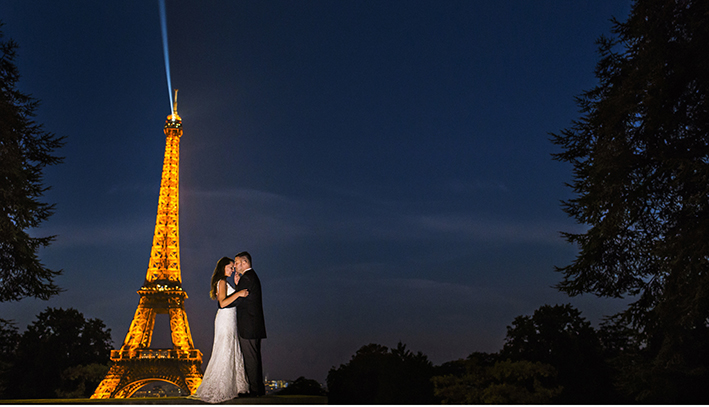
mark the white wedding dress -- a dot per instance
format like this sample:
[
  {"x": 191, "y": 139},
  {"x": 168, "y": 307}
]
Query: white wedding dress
[{"x": 225, "y": 376}]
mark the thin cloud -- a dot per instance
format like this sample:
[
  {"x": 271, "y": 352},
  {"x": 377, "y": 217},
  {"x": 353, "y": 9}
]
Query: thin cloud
[
  {"x": 405, "y": 291},
  {"x": 229, "y": 213},
  {"x": 262, "y": 213},
  {"x": 95, "y": 235},
  {"x": 241, "y": 194},
  {"x": 476, "y": 186},
  {"x": 491, "y": 230},
  {"x": 137, "y": 187}
]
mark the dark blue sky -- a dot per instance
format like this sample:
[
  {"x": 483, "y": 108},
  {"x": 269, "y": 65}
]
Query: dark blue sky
[{"x": 387, "y": 164}]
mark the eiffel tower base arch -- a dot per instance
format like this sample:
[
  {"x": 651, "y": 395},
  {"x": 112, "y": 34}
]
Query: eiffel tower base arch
[{"x": 125, "y": 377}]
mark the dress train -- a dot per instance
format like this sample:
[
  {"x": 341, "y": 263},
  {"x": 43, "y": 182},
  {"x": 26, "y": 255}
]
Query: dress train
[{"x": 225, "y": 376}]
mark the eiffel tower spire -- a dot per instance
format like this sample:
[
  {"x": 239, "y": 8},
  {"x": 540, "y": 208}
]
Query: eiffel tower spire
[{"x": 136, "y": 364}]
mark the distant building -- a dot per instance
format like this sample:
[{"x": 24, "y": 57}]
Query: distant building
[
  {"x": 159, "y": 390},
  {"x": 273, "y": 386}
]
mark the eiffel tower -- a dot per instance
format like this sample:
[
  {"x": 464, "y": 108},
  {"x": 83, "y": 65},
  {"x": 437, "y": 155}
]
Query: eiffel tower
[{"x": 135, "y": 364}]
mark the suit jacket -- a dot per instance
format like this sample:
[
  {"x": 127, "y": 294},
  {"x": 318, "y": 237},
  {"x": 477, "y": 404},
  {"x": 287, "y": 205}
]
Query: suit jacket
[{"x": 249, "y": 309}]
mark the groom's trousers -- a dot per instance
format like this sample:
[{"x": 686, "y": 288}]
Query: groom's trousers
[{"x": 251, "y": 351}]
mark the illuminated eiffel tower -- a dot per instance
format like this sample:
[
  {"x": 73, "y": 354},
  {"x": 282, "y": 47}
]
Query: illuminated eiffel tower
[{"x": 135, "y": 364}]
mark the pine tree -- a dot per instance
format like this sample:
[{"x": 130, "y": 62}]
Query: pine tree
[
  {"x": 25, "y": 149},
  {"x": 640, "y": 156}
]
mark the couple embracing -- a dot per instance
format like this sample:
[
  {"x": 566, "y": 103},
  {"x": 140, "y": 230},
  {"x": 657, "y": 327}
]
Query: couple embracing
[{"x": 234, "y": 369}]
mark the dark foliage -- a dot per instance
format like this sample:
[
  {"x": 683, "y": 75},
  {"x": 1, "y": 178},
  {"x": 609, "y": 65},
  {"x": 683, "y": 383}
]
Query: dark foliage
[
  {"x": 486, "y": 379},
  {"x": 25, "y": 149},
  {"x": 462, "y": 366},
  {"x": 303, "y": 386},
  {"x": 639, "y": 377},
  {"x": 376, "y": 375},
  {"x": 57, "y": 354},
  {"x": 9, "y": 337},
  {"x": 640, "y": 156},
  {"x": 559, "y": 336},
  {"x": 81, "y": 381}
]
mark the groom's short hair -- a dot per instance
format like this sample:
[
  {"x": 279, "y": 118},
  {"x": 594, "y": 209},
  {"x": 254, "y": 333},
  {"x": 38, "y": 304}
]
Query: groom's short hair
[{"x": 246, "y": 255}]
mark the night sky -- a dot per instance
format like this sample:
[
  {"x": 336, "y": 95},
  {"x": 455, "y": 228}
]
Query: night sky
[{"x": 386, "y": 163}]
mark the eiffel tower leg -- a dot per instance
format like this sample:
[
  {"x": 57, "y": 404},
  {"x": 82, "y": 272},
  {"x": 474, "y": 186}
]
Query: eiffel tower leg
[
  {"x": 182, "y": 341},
  {"x": 180, "y": 330},
  {"x": 193, "y": 375},
  {"x": 109, "y": 384},
  {"x": 140, "y": 334}
]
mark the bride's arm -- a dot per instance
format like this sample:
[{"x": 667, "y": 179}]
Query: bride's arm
[{"x": 225, "y": 300}]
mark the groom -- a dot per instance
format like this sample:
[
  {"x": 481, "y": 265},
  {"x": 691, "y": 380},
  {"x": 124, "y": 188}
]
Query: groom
[{"x": 250, "y": 323}]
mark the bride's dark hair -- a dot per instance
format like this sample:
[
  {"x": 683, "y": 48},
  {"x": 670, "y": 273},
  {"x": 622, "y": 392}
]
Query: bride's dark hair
[{"x": 218, "y": 275}]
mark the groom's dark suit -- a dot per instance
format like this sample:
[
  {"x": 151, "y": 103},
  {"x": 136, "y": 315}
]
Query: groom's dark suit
[{"x": 252, "y": 328}]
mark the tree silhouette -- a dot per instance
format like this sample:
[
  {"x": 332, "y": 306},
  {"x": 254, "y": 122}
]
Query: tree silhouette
[
  {"x": 559, "y": 336},
  {"x": 303, "y": 386},
  {"x": 81, "y": 381},
  {"x": 521, "y": 382},
  {"x": 640, "y": 156},
  {"x": 9, "y": 338},
  {"x": 462, "y": 381},
  {"x": 56, "y": 344},
  {"x": 25, "y": 149},
  {"x": 485, "y": 379},
  {"x": 376, "y": 375}
]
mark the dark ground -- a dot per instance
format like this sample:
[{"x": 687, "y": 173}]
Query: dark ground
[{"x": 176, "y": 400}]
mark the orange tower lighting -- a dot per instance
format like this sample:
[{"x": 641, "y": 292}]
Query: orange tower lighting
[{"x": 136, "y": 364}]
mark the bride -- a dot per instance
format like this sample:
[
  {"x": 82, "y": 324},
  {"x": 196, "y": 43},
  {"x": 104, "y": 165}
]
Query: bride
[{"x": 225, "y": 377}]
